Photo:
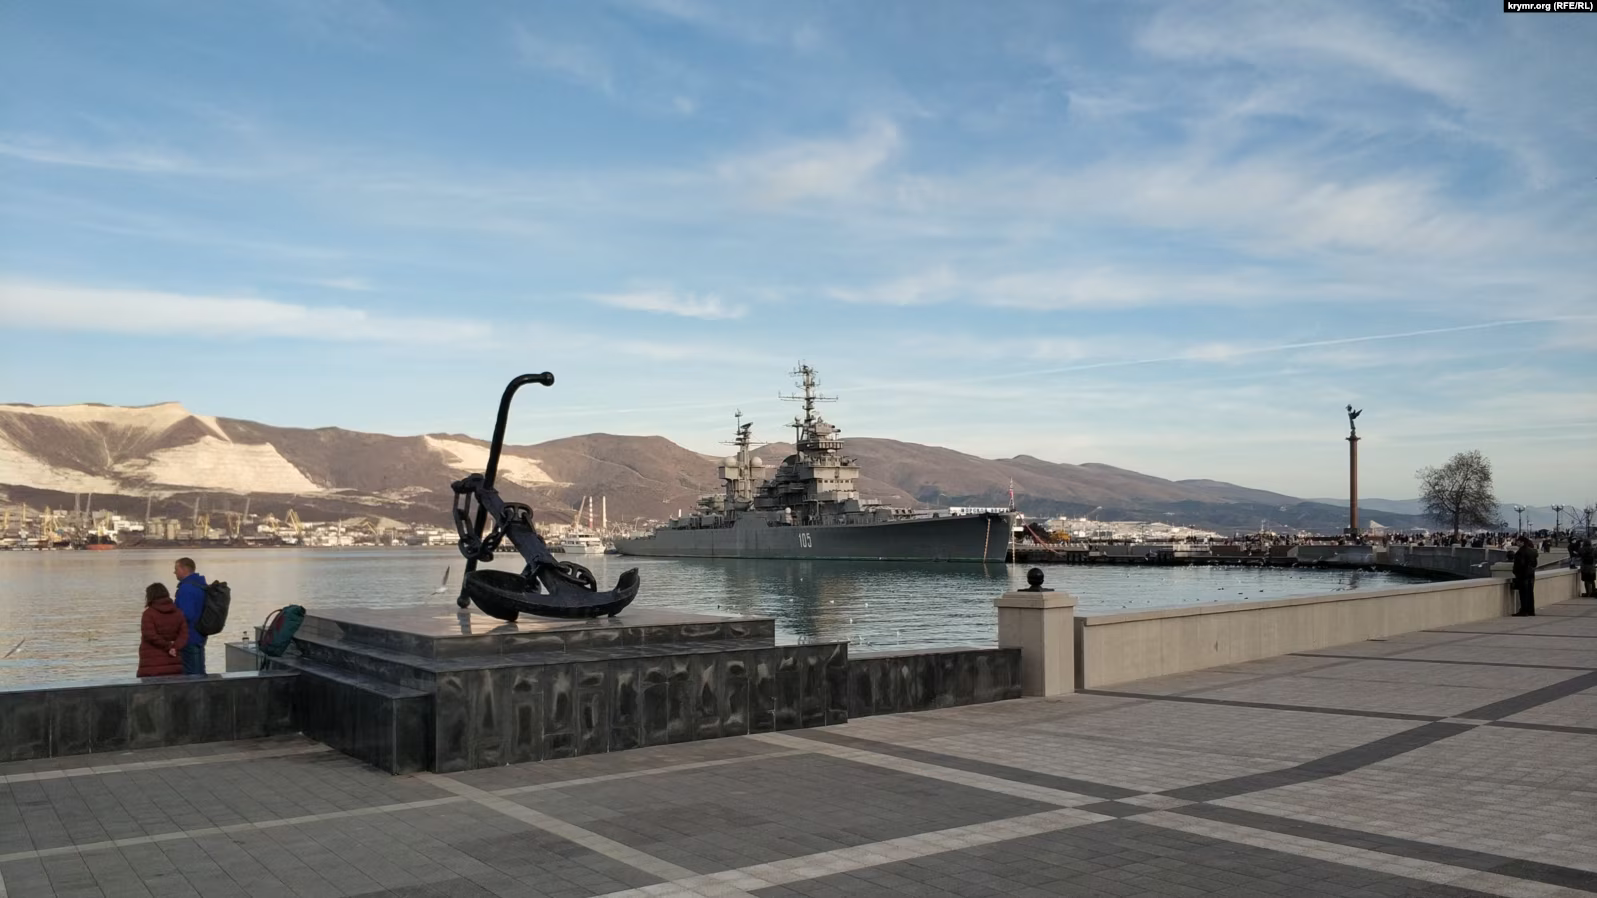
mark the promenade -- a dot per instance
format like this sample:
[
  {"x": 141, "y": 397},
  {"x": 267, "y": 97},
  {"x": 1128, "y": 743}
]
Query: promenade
[{"x": 1452, "y": 762}]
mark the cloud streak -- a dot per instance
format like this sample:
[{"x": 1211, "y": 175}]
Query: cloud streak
[
  {"x": 704, "y": 306},
  {"x": 567, "y": 59},
  {"x": 813, "y": 169},
  {"x": 57, "y": 307}
]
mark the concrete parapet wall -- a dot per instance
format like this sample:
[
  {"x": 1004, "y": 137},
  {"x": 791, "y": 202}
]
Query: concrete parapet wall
[
  {"x": 1118, "y": 648},
  {"x": 156, "y": 712}
]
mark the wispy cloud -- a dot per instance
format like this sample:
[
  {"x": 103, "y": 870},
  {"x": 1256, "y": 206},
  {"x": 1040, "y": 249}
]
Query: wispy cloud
[
  {"x": 1276, "y": 36},
  {"x": 768, "y": 24},
  {"x": 351, "y": 284},
  {"x": 705, "y": 306},
  {"x": 937, "y": 285},
  {"x": 568, "y": 59},
  {"x": 57, "y": 307},
  {"x": 147, "y": 160},
  {"x": 814, "y": 168},
  {"x": 1097, "y": 287}
]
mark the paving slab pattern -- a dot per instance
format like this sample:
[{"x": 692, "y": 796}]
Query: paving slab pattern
[{"x": 1454, "y": 762}]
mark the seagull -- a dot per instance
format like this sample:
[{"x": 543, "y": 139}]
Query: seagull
[
  {"x": 444, "y": 586},
  {"x": 15, "y": 647}
]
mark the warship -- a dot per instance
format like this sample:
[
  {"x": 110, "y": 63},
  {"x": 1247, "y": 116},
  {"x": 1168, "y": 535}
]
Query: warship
[{"x": 809, "y": 507}]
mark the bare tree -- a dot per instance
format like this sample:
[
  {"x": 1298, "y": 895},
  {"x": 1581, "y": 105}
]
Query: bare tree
[{"x": 1460, "y": 492}]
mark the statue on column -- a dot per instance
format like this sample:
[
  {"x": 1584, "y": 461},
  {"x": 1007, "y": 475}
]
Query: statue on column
[{"x": 1352, "y": 417}]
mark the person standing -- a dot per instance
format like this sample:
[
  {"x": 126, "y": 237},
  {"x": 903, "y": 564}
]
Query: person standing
[
  {"x": 1588, "y": 568},
  {"x": 163, "y": 634},
  {"x": 191, "y": 601},
  {"x": 1525, "y": 577}
]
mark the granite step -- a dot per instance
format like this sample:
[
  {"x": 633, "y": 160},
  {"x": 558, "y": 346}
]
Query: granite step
[
  {"x": 419, "y": 672},
  {"x": 384, "y": 724}
]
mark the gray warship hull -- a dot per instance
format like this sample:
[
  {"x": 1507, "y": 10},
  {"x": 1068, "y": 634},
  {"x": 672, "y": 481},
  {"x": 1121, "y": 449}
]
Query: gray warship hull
[{"x": 979, "y": 537}]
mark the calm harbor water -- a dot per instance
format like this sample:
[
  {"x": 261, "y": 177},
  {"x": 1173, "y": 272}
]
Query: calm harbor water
[{"x": 76, "y": 614}]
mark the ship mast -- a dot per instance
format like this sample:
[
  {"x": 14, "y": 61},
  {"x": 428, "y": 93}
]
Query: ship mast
[
  {"x": 739, "y": 475},
  {"x": 804, "y": 428}
]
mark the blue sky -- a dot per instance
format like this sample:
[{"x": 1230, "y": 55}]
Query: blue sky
[{"x": 1175, "y": 238}]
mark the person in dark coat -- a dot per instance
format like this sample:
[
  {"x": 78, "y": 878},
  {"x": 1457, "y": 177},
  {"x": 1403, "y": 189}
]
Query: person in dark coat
[
  {"x": 1525, "y": 577},
  {"x": 165, "y": 633},
  {"x": 1588, "y": 569}
]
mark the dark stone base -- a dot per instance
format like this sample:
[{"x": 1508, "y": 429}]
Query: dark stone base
[
  {"x": 434, "y": 689},
  {"x": 385, "y": 726},
  {"x": 154, "y": 712},
  {"x": 893, "y": 682},
  {"x": 476, "y": 692}
]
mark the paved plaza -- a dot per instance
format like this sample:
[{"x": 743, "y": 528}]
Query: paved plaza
[{"x": 1452, "y": 762}]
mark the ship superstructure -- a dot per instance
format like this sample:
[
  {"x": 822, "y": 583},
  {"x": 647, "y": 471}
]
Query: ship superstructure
[{"x": 809, "y": 507}]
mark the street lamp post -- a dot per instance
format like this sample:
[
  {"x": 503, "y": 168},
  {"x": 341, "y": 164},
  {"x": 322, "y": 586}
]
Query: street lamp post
[
  {"x": 1520, "y": 509},
  {"x": 1589, "y": 510},
  {"x": 1558, "y": 513}
]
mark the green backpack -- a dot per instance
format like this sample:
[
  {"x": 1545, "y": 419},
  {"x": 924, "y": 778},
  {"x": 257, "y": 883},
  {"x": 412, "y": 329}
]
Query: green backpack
[{"x": 277, "y": 632}]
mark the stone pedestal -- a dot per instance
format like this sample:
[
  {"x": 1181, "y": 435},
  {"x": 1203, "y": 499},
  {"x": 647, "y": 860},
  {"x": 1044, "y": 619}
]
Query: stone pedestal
[
  {"x": 430, "y": 688},
  {"x": 1042, "y": 626}
]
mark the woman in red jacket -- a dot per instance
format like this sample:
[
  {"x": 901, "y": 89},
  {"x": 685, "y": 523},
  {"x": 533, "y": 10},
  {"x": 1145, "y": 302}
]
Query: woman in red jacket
[{"x": 165, "y": 632}]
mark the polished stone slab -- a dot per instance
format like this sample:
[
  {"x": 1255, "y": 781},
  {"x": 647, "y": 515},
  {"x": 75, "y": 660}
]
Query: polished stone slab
[
  {"x": 441, "y": 630},
  {"x": 154, "y": 712},
  {"x": 920, "y": 680},
  {"x": 384, "y": 725}
]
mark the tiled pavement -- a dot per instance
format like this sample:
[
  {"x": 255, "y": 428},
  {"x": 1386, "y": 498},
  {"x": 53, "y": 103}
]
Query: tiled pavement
[{"x": 1457, "y": 762}]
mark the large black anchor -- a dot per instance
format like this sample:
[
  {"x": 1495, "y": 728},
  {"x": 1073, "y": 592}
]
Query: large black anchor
[{"x": 546, "y": 586}]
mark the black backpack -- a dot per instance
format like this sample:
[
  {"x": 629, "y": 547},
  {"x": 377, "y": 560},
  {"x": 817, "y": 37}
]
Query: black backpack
[{"x": 213, "y": 614}]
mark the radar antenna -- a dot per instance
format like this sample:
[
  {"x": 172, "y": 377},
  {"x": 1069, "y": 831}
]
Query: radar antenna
[{"x": 806, "y": 379}]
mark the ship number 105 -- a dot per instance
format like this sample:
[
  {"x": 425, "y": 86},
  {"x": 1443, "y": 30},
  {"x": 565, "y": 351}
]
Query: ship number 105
[{"x": 804, "y": 541}]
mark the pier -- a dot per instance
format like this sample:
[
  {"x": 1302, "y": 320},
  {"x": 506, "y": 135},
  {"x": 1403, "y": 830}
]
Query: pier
[{"x": 1447, "y": 562}]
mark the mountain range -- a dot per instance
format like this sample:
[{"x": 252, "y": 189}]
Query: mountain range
[{"x": 171, "y": 458}]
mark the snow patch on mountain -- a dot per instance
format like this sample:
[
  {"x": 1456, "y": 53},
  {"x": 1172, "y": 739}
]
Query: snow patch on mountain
[
  {"x": 472, "y": 458},
  {"x": 18, "y": 468},
  {"x": 210, "y": 463},
  {"x": 143, "y": 417}
]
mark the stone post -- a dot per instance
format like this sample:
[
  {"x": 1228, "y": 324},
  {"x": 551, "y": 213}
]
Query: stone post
[{"x": 1042, "y": 625}]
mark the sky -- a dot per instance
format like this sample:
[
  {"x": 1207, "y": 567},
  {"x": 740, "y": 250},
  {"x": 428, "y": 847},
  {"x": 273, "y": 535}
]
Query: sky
[{"x": 1177, "y": 238}]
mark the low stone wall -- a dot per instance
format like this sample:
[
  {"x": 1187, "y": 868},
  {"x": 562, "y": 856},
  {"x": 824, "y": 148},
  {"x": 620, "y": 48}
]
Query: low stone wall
[
  {"x": 1118, "y": 648},
  {"x": 1464, "y": 562},
  {"x": 892, "y": 682},
  {"x": 87, "y": 718},
  {"x": 1460, "y": 561},
  {"x": 1316, "y": 554}
]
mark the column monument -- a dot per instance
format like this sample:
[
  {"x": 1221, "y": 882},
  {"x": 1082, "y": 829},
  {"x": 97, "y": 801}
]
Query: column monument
[{"x": 1353, "y": 471}]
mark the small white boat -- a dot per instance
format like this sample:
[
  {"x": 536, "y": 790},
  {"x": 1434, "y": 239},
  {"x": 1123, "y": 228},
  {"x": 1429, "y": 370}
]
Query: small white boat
[{"x": 581, "y": 544}]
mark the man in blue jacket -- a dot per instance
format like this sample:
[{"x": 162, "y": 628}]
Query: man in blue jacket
[{"x": 191, "y": 600}]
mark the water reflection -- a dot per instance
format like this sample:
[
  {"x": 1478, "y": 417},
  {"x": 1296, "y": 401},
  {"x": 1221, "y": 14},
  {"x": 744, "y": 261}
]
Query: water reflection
[{"x": 79, "y": 611}]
